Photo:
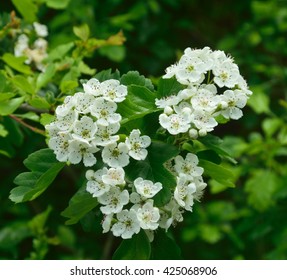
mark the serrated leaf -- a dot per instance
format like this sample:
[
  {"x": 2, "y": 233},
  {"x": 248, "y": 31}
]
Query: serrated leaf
[
  {"x": 107, "y": 74},
  {"x": 16, "y": 63},
  {"x": 167, "y": 87},
  {"x": 171, "y": 249},
  {"x": 7, "y": 107},
  {"x": 134, "y": 78},
  {"x": 139, "y": 102},
  {"x": 136, "y": 248},
  {"x": 44, "y": 168},
  {"x": 80, "y": 204},
  {"x": 3, "y": 131},
  {"x": 152, "y": 168},
  {"x": 261, "y": 187},
  {"x": 218, "y": 173}
]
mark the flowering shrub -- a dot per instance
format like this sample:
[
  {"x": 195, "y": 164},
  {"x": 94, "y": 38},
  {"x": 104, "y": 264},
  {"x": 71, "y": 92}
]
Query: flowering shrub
[{"x": 97, "y": 126}]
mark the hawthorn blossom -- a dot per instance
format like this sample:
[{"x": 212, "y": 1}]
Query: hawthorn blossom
[{"x": 147, "y": 188}]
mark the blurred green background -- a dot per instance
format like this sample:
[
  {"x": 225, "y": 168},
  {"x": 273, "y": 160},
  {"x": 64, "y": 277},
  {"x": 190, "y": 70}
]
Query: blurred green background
[{"x": 247, "y": 222}]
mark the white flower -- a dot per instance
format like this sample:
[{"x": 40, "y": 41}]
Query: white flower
[
  {"x": 104, "y": 111},
  {"x": 205, "y": 99},
  {"x": 235, "y": 100},
  {"x": 82, "y": 150},
  {"x": 137, "y": 144},
  {"x": 167, "y": 101},
  {"x": 188, "y": 166},
  {"x": 170, "y": 214},
  {"x": 107, "y": 222},
  {"x": 112, "y": 90},
  {"x": 84, "y": 102},
  {"x": 21, "y": 46},
  {"x": 114, "y": 200},
  {"x": 84, "y": 129},
  {"x": 176, "y": 123},
  {"x": 52, "y": 129},
  {"x": 60, "y": 145},
  {"x": 116, "y": 155},
  {"x": 127, "y": 224},
  {"x": 92, "y": 87},
  {"x": 114, "y": 176},
  {"x": 95, "y": 184},
  {"x": 104, "y": 135},
  {"x": 170, "y": 71},
  {"x": 226, "y": 74},
  {"x": 147, "y": 188},
  {"x": 184, "y": 191},
  {"x": 148, "y": 216},
  {"x": 203, "y": 120},
  {"x": 200, "y": 186},
  {"x": 66, "y": 122},
  {"x": 68, "y": 106},
  {"x": 41, "y": 29}
]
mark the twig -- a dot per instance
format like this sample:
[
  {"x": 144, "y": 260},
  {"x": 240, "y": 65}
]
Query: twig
[
  {"x": 34, "y": 129},
  {"x": 29, "y": 108}
]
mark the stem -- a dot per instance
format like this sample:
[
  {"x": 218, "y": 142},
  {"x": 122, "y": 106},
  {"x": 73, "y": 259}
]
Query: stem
[
  {"x": 108, "y": 247},
  {"x": 27, "y": 107},
  {"x": 34, "y": 129}
]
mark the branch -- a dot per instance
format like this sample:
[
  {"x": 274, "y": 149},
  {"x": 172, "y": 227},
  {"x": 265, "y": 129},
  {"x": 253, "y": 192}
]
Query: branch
[{"x": 34, "y": 129}]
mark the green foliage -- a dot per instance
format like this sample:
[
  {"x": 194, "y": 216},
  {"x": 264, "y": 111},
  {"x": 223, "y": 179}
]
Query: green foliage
[
  {"x": 136, "y": 248},
  {"x": 84, "y": 38},
  {"x": 44, "y": 169}
]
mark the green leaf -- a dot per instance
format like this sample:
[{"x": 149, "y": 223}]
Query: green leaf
[
  {"x": 114, "y": 53},
  {"x": 37, "y": 224},
  {"x": 56, "y": 4},
  {"x": 261, "y": 188},
  {"x": 16, "y": 63},
  {"x": 44, "y": 168},
  {"x": 45, "y": 77},
  {"x": 152, "y": 168},
  {"x": 13, "y": 234},
  {"x": 6, "y": 95},
  {"x": 214, "y": 143},
  {"x": 29, "y": 116},
  {"x": 259, "y": 100},
  {"x": 167, "y": 87},
  {"x": 164, "y": 247},
  {"x": 67, "y": 86},
  {"x": 209, "y": 155},
  {"x": 134, "y": 78},
  {"x": 270, "y": 126},
  {"x": 39, "y": 102},
  {"x": 80, "y": 204},
  {"x": 139, "y": 102},
  {"x": 136, "y": 248},
  {"x": 3, "y": 131},
  {"x": 83, "y": 32},
  {"x": 7, "y": 107},
  {"x": 22, "y": 83},
  {"x": 107, "y": 74},
  {"x": 60, "y": 51},
  {"x": 219, "y": 173},
  {"x": 46, "y": 119},
  {"x": 27, "y": 9}
]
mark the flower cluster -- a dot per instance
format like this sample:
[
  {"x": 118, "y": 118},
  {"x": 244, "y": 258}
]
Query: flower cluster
[
  {"x": 213, "y": 88},
  {"x": 88, "y": 128},
  {"x": 87, "y": 123},
  {"x": 35, "y": 51}
]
